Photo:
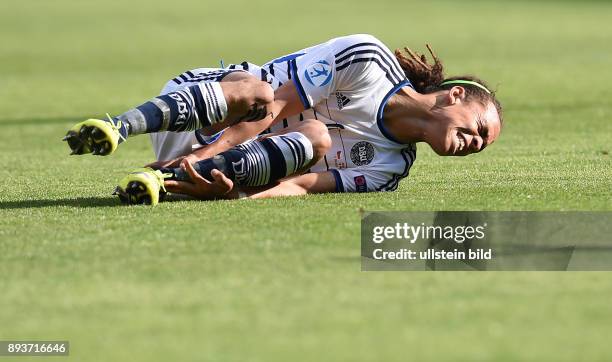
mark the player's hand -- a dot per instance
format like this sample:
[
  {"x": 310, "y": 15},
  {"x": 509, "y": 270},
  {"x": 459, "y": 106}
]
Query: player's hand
[{"x": 200, "y": 187}]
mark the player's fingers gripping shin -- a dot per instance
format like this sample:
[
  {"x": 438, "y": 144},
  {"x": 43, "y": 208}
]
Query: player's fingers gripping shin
[
  {"x": 198, "y": 186},
  {"x": 219, "y": 182},
  {"x": 223, "y": 181},
  {"x": 179, "y": 187},
  {"x": 193, "y": 174}
]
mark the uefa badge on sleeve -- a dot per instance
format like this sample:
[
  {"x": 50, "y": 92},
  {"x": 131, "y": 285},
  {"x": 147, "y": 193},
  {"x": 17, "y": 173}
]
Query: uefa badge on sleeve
[{"x": 319, "y": 73}]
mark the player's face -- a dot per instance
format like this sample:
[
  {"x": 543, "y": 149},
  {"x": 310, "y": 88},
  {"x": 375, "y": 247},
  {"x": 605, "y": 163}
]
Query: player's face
[{"x": 465, "y": 128}]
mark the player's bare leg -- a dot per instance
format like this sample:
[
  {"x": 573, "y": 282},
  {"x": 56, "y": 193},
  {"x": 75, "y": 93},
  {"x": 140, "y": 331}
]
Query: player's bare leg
[{"x": 239, "y": 97}]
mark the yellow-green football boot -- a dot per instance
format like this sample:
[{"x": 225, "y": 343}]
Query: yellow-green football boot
[
  {"x": 143, "y": 186},
  {"x": 94, "y": 136}
]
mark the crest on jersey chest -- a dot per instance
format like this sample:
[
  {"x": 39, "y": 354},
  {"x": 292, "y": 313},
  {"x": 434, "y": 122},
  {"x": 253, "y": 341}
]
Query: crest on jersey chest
[{"x": 362, "y": 153}]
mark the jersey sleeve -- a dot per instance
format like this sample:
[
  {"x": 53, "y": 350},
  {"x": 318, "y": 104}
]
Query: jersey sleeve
[
  {"x": 346, "y": 63},
  {"x": 314, "y": 75}
]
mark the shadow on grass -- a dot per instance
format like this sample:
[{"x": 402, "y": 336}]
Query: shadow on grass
[
  {"x": 78, "y": 202},
  {"x": 81, "y": 202},
  {"x": 40, "y": 120}
]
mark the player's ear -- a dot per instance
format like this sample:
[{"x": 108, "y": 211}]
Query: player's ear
[{"x": 456, "y": 95}]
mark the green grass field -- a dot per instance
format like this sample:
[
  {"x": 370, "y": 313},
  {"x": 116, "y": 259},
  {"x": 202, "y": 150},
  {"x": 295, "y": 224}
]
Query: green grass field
[{"x": 280, "y": 279}]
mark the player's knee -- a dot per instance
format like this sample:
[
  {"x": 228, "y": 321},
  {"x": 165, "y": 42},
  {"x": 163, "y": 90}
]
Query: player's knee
[
  {"x": 249, "y": 91},
  {"x": 248, "y": 99},
  {"x": 322, "y": 146},
  {"x": 264, "y": 94},
  {"x": 318, "y": 135},
  {"x": 322, "y": 142}
]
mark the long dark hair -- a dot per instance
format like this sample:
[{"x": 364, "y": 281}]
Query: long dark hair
[{"x": 428, "y": 78}]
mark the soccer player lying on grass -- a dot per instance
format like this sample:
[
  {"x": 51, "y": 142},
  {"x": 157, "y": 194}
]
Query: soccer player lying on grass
[{"x": 348, "y": 111}]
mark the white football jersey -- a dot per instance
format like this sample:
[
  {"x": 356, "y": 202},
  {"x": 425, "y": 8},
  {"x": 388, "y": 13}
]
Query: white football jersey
[{"x": 345, "y": 83}]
